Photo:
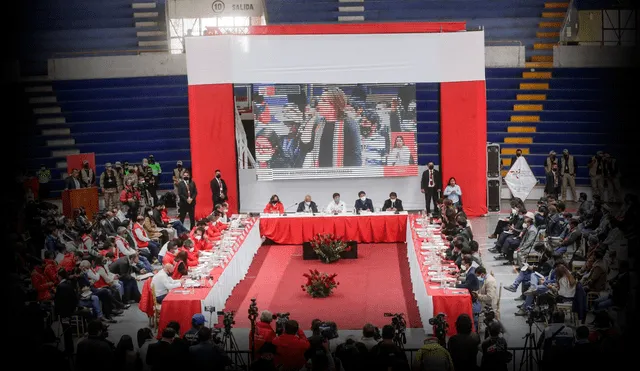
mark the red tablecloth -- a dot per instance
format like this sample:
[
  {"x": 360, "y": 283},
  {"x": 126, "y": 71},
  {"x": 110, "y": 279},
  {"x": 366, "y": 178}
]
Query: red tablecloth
[
  {"x": 292, "y": 230},
  {"x": 452, "y": 303}
]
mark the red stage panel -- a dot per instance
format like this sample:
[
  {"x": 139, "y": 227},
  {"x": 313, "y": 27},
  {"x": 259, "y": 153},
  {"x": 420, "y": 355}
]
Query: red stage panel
[
  {"x": 361, "y": 28},
  {"x": 213, "y": 145},
  {"x": 463, "y": 140}
]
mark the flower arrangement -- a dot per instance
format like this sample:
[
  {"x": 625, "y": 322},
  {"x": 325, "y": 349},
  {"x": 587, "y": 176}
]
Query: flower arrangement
[
  {"x": 319, "y": 284},
  {"x": 328, "y": 247}
]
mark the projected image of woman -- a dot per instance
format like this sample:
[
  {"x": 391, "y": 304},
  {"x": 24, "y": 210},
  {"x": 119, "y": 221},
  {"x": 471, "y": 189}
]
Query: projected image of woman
[
  {"x": 400, "y": 155},
  {"x": 331, "y": 125}
]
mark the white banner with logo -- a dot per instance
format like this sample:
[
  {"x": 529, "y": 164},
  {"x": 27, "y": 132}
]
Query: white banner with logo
[
  {"x": 214, "y": 8},
  {"x": 520, "y": 179}
]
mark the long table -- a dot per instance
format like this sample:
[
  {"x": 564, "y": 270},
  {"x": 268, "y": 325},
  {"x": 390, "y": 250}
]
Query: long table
[
  {"x": 181, "y": 304},
  {"x": 295, "y": 229},
  {"x": 430, "y": 297}
]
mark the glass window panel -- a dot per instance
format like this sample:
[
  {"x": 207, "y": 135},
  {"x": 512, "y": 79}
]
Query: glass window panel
[{"x": 225, "y": 22}]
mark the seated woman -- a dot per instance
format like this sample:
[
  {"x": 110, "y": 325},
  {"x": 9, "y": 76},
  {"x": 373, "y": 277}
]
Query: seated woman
[
  {"x": 565, "y": 284},
  {"x": 153, "y": 231},
  {"x": 274, "y": 206},
  {"x": 199, "y": 240},
  {"x": 192, "y": 254},
  {"x": 180, "y": 265},
  {"x": 225, "y": 213},
  {"x": 453, "y": 192}
]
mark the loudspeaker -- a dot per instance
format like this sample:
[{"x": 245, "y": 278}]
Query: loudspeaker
[
  {"x": 493, "y": 160},
  {"x": 493, "y": 195}
]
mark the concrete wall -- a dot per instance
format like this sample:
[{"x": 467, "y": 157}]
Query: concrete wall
[
  {"x": 594, "y": 56},
  {"x": 504, "y": 56},
  {"x": 162, "y": 64}
]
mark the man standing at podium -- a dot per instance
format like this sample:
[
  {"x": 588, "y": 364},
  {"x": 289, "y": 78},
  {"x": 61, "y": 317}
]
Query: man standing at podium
[
  {"x": 72, "y": 181},
  {"x": 187, "y": 193}
]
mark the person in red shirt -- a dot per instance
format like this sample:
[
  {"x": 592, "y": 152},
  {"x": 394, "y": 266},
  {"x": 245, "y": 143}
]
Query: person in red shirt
[
  {"x": 108, "y": 247},
  {"x": 50, "y": 268},
  {"x": 291, "y": 346},
  {"x": 180, "y": 265},
  {"x": 192, "y": 255},
  {"x": 40, "y": 282},
  {"x": 264, "y": 332},
  {"x": 199, "y": 241},
  {"x": 274, "y": 206},
  {"x": 172, "y": 250},
  {"x": 70, "y": 260},
  {"x": 213, "y": 232}
]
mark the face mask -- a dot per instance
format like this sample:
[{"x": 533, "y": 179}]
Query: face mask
[
  {"x": 191, "y": 249},
  {"x": 481, "y": 279},
  {"x": 185, "y": 177},
  {"x": 274, "y": 202},
  {"x": 430, "y": 166},
  {"x": 555, "y": 169},
  {"x": 514, "y": 210},
  {"x": 218, "y": 176},
  {"x": 150, "y": 213},
  {"x": 363, "y": 198},
  {"x": 393, "y": 199},
  {"x": 336, "y": 200},
  {"x": 86, "y": 166},
  {"x": 518, "y": 154},
  {"x": 525, "y": 225},
  {"x": 198, "y": 237}
]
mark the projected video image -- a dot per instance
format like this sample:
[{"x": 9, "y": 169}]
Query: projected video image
[{"x": 335, "y": 131}]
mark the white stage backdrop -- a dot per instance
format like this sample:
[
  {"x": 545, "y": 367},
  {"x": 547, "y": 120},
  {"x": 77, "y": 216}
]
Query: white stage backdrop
[
  {"x": 254, "y": 195},
  {"x": 379, "y": 58}
]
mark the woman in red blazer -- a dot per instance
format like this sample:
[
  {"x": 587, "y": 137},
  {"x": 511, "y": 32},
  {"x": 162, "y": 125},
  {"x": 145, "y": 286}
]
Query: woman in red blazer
[{"x": 274, "y": 206}]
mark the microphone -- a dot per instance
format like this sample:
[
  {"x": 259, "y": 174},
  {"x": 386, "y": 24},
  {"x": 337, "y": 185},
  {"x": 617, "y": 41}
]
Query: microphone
[{"x": 288, "y": 207}]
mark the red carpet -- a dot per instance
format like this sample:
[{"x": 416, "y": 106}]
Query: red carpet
[{"x": 375, "y": 283}]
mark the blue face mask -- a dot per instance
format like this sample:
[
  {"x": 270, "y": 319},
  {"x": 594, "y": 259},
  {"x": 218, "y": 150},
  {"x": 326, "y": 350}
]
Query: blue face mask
[{"x": 481, "y": 279}]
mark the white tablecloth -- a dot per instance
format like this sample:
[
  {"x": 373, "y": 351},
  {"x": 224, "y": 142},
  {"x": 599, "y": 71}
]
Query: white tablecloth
[{"x": 425, "y": 302}]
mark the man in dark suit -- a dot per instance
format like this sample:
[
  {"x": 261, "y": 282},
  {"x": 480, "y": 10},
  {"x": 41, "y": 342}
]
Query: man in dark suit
[
  {"x": 471, "y": 282},
  {"x": 218, "y": 189},
  {"x": 393, "y": 203},
  {"x": 363, "y": 203},
  {"x": 160, "y": 356},
  {"x": 124, "y": 267},
  {"x": 72, "y": 181},
  {"x": 307, "y": 206},
  {"x": 187, "y": 193},
  {"x": 431, "y": 186}
]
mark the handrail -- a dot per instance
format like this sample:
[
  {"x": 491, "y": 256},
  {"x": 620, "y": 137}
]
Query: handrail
[
  {"x": 571, "y": 9},
  {"x": 503, "y": 42},
  {"x": 90, "y": 52},
  {"x": 245, "y": 158}
]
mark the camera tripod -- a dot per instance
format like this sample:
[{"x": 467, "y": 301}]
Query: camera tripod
[
  {"x": 230, "y": 346},
  {"x": 531, "y": 353}
]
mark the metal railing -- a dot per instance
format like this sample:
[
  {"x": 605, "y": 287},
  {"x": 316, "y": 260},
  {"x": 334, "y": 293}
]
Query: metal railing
[
  {"x": 569, "y": 29},
  {"x": 245, "y": 158},
  {"x": 89, "y": 53},
  {"x": 518, "y": 359}
]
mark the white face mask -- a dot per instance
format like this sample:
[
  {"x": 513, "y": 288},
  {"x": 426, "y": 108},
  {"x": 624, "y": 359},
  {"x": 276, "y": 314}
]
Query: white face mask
[
  {"x": 525, "y": 225},
  {"x": 150, "y": 213},
  {"x": 191, "y": 249},
  {"x": 363, "y": 198},
  {"x": 514, "y": 210},
  {"x": 198, "y": 237}
]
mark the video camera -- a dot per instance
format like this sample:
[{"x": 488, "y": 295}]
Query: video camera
[
  {"x": 440, "y": 327},
  {"x": 397, "y": 321},
  {"x": 281, "y": 319},
  {"x": 328, "y": 330},
  {"x": 227, "y": 320},
  {"x": 538, "y": 314}
]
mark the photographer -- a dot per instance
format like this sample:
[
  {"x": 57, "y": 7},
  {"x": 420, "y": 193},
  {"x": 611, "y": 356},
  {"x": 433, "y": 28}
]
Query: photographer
[
  {"x": 319, "y": 349},
  {"x": 370, "y": 336},
  {"x": 291, "y": 346},
  {"x": 385, "y": 355},
  {"x": 197, "y": 323},
  {"x": 264, "y": 333},
  {"x": 495, "y": 355},
  {"x": 95, "y": 353}
]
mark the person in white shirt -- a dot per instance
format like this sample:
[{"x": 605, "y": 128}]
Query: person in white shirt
[
  {"x": 368, "y": 336},
  {"x": 163, "y": 283},
  {"x": 336, "y": 206},
  {"x": 453, "y": 191},
  {"x": 400, "y": 155}
]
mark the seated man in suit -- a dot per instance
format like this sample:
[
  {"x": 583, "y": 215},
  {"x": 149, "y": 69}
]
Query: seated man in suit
[
  {"x": 471, "y": 280},
  {"x": 393, "y": 203},
  {"x": 363, "y": 203},
  {"x": 307, "y": 206}
]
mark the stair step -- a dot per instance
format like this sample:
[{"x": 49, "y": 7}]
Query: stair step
[
  {"x": 35, "y": 78},
  {"x": 545, "y": 46},
  {"x": 145, "y": 15},
  {"x": 518, "y": 140},
  {"x": 143, "y": 5},
  {"x": 531, "y": 97},
  {"x": 56, "y": 132},
  {"x": 547, "y": 35},
  {"x": 43, "y": 99},
  {"x": 65, "y": 152},
  {"x": 556, "y": 25},
  {"x": 38, "y": 89},
  {"x": 527, "y": 107},
  {"x": 536, "y": 75},
  {"x": 61, "y": 142},
  {"x": 512, "y": 151},
  {"x": 532, "y": 86},
  {"x": 153, "y": 43},
  {"x": 347, "y": 9},
  {"x": 556, "y": 5},
  {"x": 542, "y": 58},
  {"x": 553, "y": 14},
  {"x": 146, "y": 24},
  {"x": 521, "y": 129},
  {"x": 61, "y": 165},
  {"x": 350, "y": 18},
  {"x": 538, "y": 64},
  {"x": 150, "y": 33},
  {"x": 46, "y": 110},
  {"x": 51, "y": 120},
  {"x": 525, "y": 119}
]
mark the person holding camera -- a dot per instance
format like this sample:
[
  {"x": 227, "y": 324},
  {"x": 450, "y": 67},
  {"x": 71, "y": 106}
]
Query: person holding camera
[
  {"x": 291, "y": 346},
  {"x": 319, "y": 352},
  {"x": 264, "y": 333},
  {"x": 495, "y": 354}
]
